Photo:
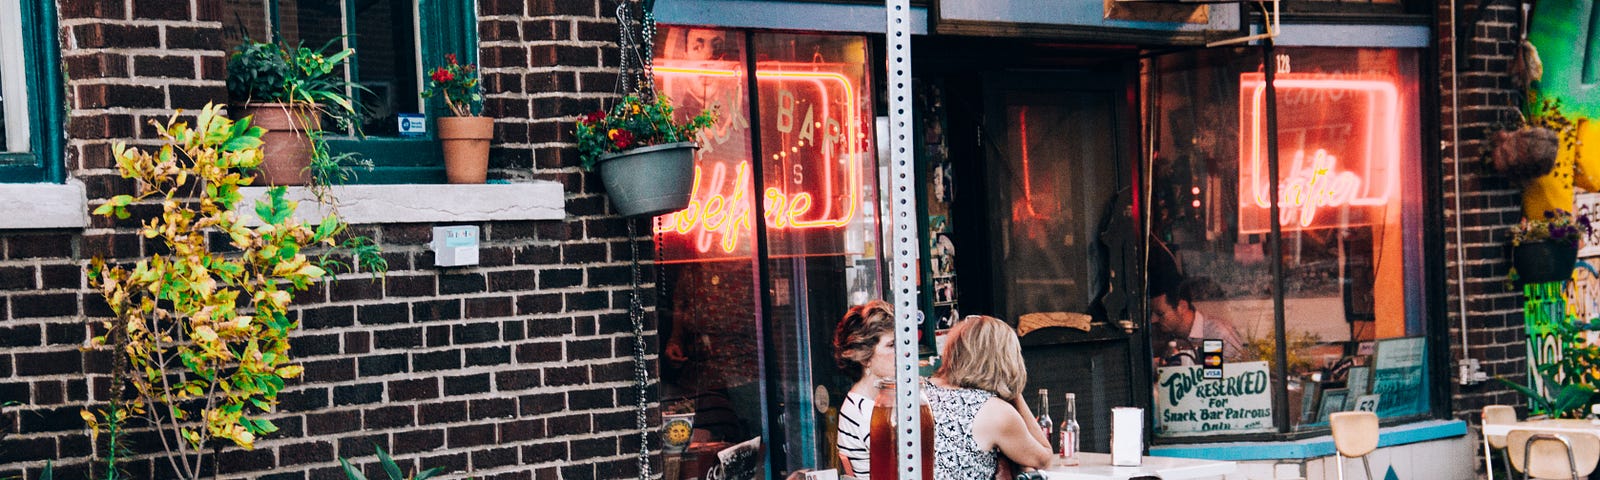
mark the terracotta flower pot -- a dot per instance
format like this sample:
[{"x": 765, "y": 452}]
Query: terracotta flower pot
[
  {"x": 649, "y": 181},
  {"x": 285, "y": 148},
  {"x": 466, "y": 147},
  {"x": 1540, "y": 262}
]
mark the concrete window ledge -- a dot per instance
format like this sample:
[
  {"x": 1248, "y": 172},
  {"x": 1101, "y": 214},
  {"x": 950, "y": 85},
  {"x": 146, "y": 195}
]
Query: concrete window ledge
[
  {"x": 378, "y": 204},
  {"x": 43, "y": 205},
  {"x": 1313, "y": 447}
]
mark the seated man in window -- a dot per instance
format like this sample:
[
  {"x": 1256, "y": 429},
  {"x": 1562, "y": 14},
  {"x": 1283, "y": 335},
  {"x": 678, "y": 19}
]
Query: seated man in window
[{"x": 1179, "y": 328}]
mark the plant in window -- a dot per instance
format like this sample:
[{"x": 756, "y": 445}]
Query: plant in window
[
  {"x": 464, "y": 136},
  {"x": 288, "y": 90},
  {"x": 1545, "y": 250},
  {"x": 643, "y": 138},
  {"x": 201, "y": 336}
]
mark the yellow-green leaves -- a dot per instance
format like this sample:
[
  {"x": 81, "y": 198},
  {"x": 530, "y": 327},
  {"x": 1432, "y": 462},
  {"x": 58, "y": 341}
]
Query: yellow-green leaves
[{"x": 185, "y": 304}]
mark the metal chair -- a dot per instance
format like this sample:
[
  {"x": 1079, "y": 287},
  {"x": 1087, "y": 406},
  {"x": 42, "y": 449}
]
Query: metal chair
[
  {"x": 1355, "y": 434},
  {"x": 1496, "y": 415},
  {"x": 1545, "y": 455}
]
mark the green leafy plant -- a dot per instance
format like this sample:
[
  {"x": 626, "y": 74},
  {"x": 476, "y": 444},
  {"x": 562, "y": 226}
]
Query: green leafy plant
[
  {"x": 1565, "y": 401},
  {"x": 458, "y": 85},
  {"x": 389, "y": 467},
  {"x": 260, "y": 72},
  {"x": 1557, "y": 225},
  {"x": 634, "y": 123},
  {"x": 1569, "y": 384},
  {"x": 202, "y": 336}
]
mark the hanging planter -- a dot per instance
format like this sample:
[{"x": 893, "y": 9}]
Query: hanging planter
[
  {"x": 1546, "y": 249},
  {"x": 649, "y": 181},
  {"x": 645, "y": 155},
  {"x": 1546, "y": 261}
]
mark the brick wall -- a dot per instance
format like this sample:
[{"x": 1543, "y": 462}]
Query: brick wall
[
  {"x": 1489, "y": 203},
  {"x": 520, "y": 367}
]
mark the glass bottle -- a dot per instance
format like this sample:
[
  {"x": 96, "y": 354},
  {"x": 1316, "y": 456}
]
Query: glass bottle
[
  {"x": 1069, "y": 432},
  {"x": 1045, "y": 422},
  {"x": 881, "y": 449}
]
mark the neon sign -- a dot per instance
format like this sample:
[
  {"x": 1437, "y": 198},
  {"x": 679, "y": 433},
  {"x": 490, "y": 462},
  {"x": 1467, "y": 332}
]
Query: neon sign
[
  {"x": 813, "y": 146},
  {"x": 1339, "y": 141}
]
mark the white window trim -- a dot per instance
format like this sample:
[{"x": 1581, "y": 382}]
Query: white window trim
[
  {"x": 43, "y": 205},
  {"x": 13, "y": 82},
  {"x": 425, "y": 203}
]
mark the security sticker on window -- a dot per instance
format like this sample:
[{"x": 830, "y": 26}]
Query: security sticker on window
[{"x": 413, "y": 125}]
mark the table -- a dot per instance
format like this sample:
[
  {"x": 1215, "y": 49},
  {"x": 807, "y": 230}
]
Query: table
[
  {"x": 1097, "y": 466},
  {"x": 1560, "y": 425}
]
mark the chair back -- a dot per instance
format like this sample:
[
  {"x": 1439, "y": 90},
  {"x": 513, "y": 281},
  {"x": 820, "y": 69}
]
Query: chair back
[
  {"x": 1544, "y": 454},
  {"x": 1355, "y": 434},
  {"x": 1498, "y": 415}
]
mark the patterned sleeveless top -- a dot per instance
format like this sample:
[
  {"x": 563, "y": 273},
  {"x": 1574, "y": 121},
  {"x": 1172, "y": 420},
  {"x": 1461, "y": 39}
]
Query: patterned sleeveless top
[{"x": 956, "y": 453}]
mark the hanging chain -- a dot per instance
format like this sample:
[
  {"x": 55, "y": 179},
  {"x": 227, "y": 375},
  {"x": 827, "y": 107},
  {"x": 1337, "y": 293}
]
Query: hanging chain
[
  {"x": 636, "y": 52},
  {"x": 640, "y": 375}
]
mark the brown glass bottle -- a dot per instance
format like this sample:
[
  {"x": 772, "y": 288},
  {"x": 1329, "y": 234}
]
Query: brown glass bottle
[{"x": 881, "y": 450}]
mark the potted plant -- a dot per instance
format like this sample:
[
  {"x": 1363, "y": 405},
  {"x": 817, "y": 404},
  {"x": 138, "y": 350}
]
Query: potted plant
[
  {"x": 287, "y": 91},
  {"x": 645, "y": 155},
  {"x": 1546, "y": 250},
  {"x": 1528, "y": 151},
  {"x": 464, "y": 135}
]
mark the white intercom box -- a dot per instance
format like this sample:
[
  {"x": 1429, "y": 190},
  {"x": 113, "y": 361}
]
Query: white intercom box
[{"x": 455, "y": 246}]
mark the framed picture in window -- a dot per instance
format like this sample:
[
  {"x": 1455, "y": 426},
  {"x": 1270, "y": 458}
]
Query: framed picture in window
[{"x": 1332, "y": 401}]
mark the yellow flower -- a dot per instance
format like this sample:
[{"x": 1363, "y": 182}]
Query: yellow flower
[
  {"x": 612, "y": 134},
  {"x": 635, "y": 109}
]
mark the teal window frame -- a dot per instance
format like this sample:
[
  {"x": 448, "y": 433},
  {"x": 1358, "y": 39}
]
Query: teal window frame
[
  {"x": 444, "y": 26},
  {"x": 42, "y": 163}
]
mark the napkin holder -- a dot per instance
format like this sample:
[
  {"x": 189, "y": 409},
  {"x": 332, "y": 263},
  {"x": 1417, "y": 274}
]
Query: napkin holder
[{"x": 1127, "y": 436}]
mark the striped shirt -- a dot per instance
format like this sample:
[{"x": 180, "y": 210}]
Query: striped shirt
[{"x": 855, "y": 428}]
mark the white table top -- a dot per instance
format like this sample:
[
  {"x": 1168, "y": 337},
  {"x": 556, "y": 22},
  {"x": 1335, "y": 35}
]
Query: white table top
[
  {"x": 1097, "y": 466},
  {"x": 1557, "y": 425}
]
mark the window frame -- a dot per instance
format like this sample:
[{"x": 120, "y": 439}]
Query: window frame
[
  {"x": 41, "y": 76},
  {"x": 443, "y": 26}
]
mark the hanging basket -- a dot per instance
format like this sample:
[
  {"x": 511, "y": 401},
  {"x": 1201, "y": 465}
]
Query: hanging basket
[
  {"x": 1540, "y": 262},
  {"x": 649, "y": 181}
]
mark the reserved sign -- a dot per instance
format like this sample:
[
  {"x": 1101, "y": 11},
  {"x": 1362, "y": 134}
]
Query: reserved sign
[{"x": 1187, "y": 403}]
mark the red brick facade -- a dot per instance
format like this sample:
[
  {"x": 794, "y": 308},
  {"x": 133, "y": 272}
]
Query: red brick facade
[{"x": 517, "y": 368}]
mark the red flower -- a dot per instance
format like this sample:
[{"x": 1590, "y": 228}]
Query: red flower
[
  {"x": 594, "y": 116},
  {"x": 441, "y": 75},
  {"x": 622, "y": 138},
  {"x": 450, "y": 57}
]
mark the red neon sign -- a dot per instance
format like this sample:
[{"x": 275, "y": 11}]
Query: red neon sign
[
  {"x": 816, "y": 144},
  {"x": 1339, "y": 148}
]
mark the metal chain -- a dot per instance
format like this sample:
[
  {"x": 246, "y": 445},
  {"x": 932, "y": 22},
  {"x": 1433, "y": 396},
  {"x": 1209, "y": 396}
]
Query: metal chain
[
  {"x": 636, "y": 52},
  {"x": 640, "y": 375}
]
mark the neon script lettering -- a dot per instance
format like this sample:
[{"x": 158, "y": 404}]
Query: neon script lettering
[{"x": 1308, "y": 187}]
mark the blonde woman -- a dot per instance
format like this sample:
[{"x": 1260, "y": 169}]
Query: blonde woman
[
  {"x": 978, "y": 409},
  {"x": 863, "y": 348}
]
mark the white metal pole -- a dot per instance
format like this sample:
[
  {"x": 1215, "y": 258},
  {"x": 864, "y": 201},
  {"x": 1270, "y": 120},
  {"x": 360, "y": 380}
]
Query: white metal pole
[{"x": 903, "y": 210}]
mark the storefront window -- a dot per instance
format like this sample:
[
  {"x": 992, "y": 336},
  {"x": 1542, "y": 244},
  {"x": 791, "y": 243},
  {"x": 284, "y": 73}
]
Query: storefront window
[
  {"x": 760, "y": 318},
  {"x": 1349, "y": 155}
]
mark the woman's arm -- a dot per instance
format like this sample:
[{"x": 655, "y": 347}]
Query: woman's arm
[
  {"x": 1027, "y": 419},
  {"x": 999, "y": 424}
]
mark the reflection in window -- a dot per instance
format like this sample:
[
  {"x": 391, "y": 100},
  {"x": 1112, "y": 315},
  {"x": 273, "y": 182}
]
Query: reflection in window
[
  {"x": 821, "y": 222},
  {"x": 384, "y": 34},
  {"x": 1350, "y": 207}
]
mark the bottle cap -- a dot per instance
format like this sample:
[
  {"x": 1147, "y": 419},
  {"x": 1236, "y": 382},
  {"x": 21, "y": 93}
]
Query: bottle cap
[
  {"x": 1043, "y": 391},
  {"x": 1072, "y": 395}
]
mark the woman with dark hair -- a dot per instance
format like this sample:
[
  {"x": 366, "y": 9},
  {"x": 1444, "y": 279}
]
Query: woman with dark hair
[
  {"x": 863, "y": 348},
  {"x": 978, "y": 409}
]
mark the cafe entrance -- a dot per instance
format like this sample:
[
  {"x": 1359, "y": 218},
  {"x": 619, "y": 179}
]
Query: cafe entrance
[{"x": 1031, "y": 219}]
